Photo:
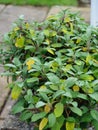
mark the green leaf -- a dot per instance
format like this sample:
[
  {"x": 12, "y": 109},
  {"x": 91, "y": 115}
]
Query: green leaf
[
  {"x": 70, "y": 81},
  {"x": 95, "y": 123},
  {"x": 56, "y": 126},
  {"x": 60, "y": 120},
  {"x": 44, "y": 96},
  {"x": 58, "y": 93},
  {"x": 71, "y": 119},
  {"x": 82, "y": 96},
  {"x": 94, "y": 114},
  {"x": 18, "y": 107},
  {"x": 52, "y": 120},
  {"x": 10, "y": 65},
  {"x": 32, "y": 80},
  {"x": 16, "y": 61},
  {"x": 26, "y": 115},
  {"x": 38, "y": 116},
  {"x": 53, "y": 78},
  {"x": 56, "y": 45},
  {"x": 76, "y": 110},
  {"x": 59, "y": 108},
  {"x": 40, "y": 104},
  {"x": 94, "y": 96},
  {"x": 29, "y": 96},
  {"x": 86, "y": 77},
  {"x": 31, "y": 48},
  {"x": 86, "y": 118}
]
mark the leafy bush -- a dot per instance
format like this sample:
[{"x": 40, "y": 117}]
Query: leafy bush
[{"x": 54, "y": 70}]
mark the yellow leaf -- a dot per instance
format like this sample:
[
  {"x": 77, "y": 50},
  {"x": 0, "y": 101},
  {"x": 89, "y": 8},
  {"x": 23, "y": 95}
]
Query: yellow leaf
[
  {"x": 67, "y": 19},
  {"x": 20, "y": 42},
  {"x": 48, "y": 41},
  {"x": 16, "y": 29},
  {"x": 95, "y": 61},
  {"x": 46, "y": 32},
  {"x": 78, "y": 40},
  {"x": 50, "y": 51},
  {"x": 53, "y": 33},
  {"x": 84, "y": 49},
  {"x": 27, "y": 25},
  {"x": 70, "y": 125},
  {"x": 16, "y": 91},
  {"x": 76, "y": 88},
  {"x": 64, "y": 30},
  {"x": 90, "y": 91},
  {"x": 71, "y": 27},
  {"x": 47, "y": 108},
  {"x": 88, "y": 58},
  {"x": 32, "y": 32},
  {"x": 52, "y": 17},
  {"x": 29, "y": 63},
  {"x": 43, "y": 87},
  {"x": 43, "y": 123},
  {"x": 68, "y": 66}
]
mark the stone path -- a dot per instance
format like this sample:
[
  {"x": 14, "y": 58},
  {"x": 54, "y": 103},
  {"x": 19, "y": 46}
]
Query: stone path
[{"x": 8, "y": 14}]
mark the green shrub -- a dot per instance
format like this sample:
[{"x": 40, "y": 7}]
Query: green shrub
[{"x": 54, "y": 70}]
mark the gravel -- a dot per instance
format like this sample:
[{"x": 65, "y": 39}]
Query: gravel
[{"x": 13, "y": 123}]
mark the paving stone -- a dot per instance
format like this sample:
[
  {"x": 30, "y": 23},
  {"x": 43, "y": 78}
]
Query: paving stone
[
  {"x": 6, "y": 110},
  {"x": 1, "y": 7},
  {"x": 85, "y": 11},
  {"x": 11, "y": 13},
  {"x": 4, "y": 91}
]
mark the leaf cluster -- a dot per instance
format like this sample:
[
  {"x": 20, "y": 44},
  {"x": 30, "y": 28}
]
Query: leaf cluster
[{"x": 54, "y": 70}]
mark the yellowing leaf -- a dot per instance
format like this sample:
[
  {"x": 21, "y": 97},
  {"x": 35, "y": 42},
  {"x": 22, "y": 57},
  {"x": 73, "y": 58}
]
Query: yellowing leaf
[
  {"x": 20, "y": 42},
  {"x": 53, "y": 33},
  {"x": 32, "y": 32},
  {"x": 84, "y": 49},
  {"x": 29, "y": 63},
  {"x": 95, "y": 61},
  {"x": 46, "y": 32},
  {"x": 52, "y": 17},
  {"x": 58, "y": 109},
  {"x": 50, "y": 51},
  {"x": 48, "y": 41},
  {"x": 71, "y": 27},
  {"x": 64, "y": 30},
  {"x": 67, "y": 19},
  {"x": 70, "y": 125},
  {"x": 78, "y": 40},
  {"x": 47, "y": 108},
  {"x": 76, "y": 88},
  {"x": 90, "y": 91},
  {"x": 88, "y": 58},
  {"x": 16, "y": 29},
  {"x": 68, "y": 66},
  {"x": 27, "y": 25},
  {"x": 87, "y": 77},
  {"x": 16, "y": 91},
  {"x": 43, "y": 123}
]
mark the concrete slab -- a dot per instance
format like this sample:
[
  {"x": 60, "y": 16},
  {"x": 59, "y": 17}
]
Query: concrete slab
[
  {"x": 84, "y": 11},
  {"x": 11, "y": 13}
]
